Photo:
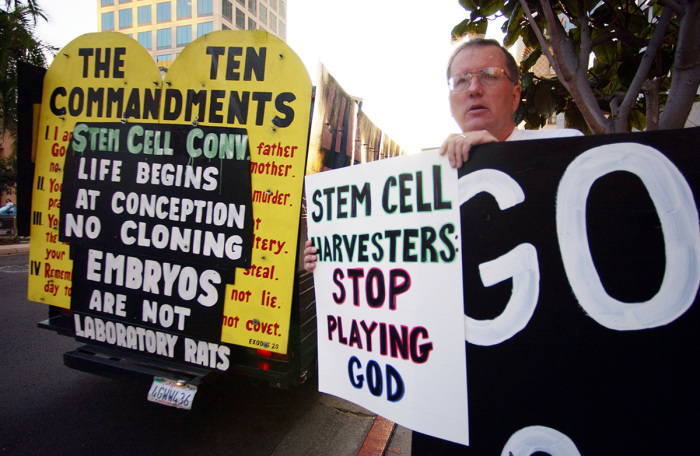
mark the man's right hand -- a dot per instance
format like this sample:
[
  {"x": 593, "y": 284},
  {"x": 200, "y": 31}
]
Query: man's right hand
[{"x": 457, "y": 146}]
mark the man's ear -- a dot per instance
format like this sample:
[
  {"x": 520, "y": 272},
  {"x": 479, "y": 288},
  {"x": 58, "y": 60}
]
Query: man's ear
[{"x": 516, "y": 97}]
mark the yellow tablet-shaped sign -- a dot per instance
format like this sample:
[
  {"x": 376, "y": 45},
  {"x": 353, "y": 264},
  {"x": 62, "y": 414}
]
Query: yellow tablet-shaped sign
[
  {"x": 98, "y": 77},
  {"x": 257, "y": 83},
  {"x": 237, "y": 95}
]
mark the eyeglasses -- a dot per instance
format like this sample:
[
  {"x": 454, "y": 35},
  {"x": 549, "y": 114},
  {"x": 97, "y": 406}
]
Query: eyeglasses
[{"x": 488, "y": 76}]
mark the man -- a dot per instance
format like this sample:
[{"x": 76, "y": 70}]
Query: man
[{"x": 484, "y": 94}]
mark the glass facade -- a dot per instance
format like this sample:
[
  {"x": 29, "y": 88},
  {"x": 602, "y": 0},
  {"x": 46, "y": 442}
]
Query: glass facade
[
  {"x": 164, "y": 38},
  {"x": 183, "y": 35},
  {"x": 204, "y": 28},
  {"x": 205, "y": 7},
  {"x": 240, "y": 19},
  {"x": 227, "y": 10},
  {"x": 144, "y": 14},
  {"x": 163, "y": 12},
  {"x": 125, "y": 18},
  {"x": 108, "y": 21},
  {"x": 136, "y": 18},
  {"x": 263, "y": 15},
  {"x": 164, "y": 60},
  {"x": 144, "y": 39},
  {"x": 184, "y": 9}
]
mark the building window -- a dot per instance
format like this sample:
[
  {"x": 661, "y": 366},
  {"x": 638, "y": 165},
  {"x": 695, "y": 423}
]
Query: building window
[
  {"x": 205, "y": 7},
  {"x": 263, "y": 15},
  {"x": 273, "y": 23},
  {"x": 227, "y": 10},
  {"x": 242, "y": 2},
  {"x": 251, "y": 24},
  {"x": 183, "y": 35},
  {"x": 240, "y": 19},
  {"x": 253, "y": 7},
  {"x": 225, "y": 27},
  {"x": 204, "y": 28},
  {"x": 184, "y": 9},
  {"x": 273, "y": 4},
  {"x": 164, "y": 38},
  {"x": 283, "y": 31},
  {"x": 124, "y": 1},
  {"x": 164, "y": 61},
  {"x": 125, "y": 17},
  {"x": 107, "y": 2},
  {"x": 144, "y": 15},
  {"x": 163, "y": 12},
  {"x": 145, "y": 40},
  {"x": 283, "y": 10},
  {"x": 108, "y": 21}
]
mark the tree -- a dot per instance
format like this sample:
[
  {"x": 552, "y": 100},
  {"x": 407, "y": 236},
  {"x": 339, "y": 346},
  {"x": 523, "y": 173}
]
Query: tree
[
  {"x": 619, "y": 64},
  {"x": 17, "y": 44}
]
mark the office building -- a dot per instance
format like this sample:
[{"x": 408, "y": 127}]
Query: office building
[{"x": 164, "y": 28}]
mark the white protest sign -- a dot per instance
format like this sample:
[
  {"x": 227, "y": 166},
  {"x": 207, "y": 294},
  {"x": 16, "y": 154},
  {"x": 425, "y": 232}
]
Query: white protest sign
[{"x": 389, "y": 291}]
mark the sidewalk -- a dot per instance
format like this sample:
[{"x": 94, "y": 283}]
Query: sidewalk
[{"x": 14, "y": 249}]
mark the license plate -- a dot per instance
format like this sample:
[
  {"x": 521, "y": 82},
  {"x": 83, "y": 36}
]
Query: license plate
[{"x": 172, "y": 393}]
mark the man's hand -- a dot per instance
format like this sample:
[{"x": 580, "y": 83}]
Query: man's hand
[
  {"x": 309, "y": 256},
  {"x": 457, "y": 146}
]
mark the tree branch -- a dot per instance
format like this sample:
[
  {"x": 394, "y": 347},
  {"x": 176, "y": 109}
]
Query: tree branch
[
  {"x": 586, "y": 44},
  {"x": 675, "y": 6},
  {"x": 686, "y": 69},
  {"x": 541, "y": 39},
  {"x": 622, "y": 35},
  {"x": 620, "y": 121},
  {"x": 573, "y": 73}
]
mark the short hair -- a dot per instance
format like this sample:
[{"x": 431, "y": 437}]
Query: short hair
[{"x": 465, "y": 43}]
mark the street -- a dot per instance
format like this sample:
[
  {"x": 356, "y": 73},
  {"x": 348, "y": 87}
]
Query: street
[{"x": 48, "y": 408}]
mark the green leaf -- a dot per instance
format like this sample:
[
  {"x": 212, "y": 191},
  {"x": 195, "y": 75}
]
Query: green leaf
[
  {"x": 626, "y": 72},
  {"x": 544, "y": 101},
  {"x": 574, "y": 119},
  {"x": 510, "y": 7},
  {"x": 606, "y": 53},
  {"x": 469, "y": 26},
  {"x": 460, "y": 29},
  {"x": 637, "y": 120},
  {"x": 534, "y": 121},
  {"x": 526, "y": 82},
  {"x": 637, "y": 24},
  {"x": 480, "y": 26},
  {"x": 489, "y": 8},
  {"x": 468, "y": 5},
  {"x": 530, "y": 59}
]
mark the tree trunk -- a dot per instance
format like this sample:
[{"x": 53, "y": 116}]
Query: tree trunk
[
  {"x": 651, "y": 95},
  {"x": 686, "y": 70}
]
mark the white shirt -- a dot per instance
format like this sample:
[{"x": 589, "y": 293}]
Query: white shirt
[{"x": 521, "y": 135}]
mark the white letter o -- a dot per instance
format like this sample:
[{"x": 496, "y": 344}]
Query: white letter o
[{"x": 677, "y": 212}]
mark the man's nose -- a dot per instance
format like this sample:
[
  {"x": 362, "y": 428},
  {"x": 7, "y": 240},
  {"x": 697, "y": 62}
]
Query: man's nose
[{"x": 475, "y": 87}]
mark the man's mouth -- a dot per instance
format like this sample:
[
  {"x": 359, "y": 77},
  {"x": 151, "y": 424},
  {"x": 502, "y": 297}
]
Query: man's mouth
[{"x": 477, "y": 108}]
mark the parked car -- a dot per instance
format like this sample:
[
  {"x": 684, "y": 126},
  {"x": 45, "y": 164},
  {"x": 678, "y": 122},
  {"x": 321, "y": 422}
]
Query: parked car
[{"x": 8, "y": 220}]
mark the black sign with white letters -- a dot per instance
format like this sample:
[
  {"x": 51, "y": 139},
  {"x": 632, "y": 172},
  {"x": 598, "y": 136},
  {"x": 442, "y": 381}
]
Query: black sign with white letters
[{"x": 581, "y": 265}]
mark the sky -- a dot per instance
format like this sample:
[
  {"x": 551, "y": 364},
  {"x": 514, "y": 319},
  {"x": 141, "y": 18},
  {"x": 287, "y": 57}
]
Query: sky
[{"x": 390, "y": 53}]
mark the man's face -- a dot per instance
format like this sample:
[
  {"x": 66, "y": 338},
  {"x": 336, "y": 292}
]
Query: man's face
[{"x": 482, "y": 107}]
